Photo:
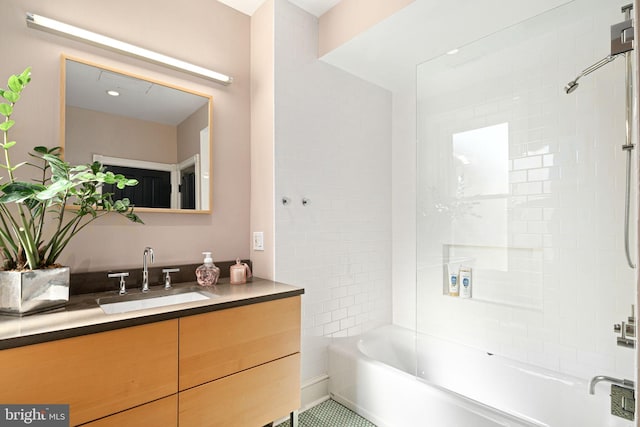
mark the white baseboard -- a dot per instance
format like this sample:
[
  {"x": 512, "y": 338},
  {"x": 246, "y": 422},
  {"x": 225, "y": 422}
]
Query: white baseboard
[{"x": 313, "y": 392}]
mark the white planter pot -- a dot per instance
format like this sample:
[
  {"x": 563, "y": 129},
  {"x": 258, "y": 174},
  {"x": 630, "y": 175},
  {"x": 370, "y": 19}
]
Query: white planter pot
[{"x": 33, "y": 291}]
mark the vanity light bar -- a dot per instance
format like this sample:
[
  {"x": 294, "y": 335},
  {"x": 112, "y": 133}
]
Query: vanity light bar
[{"x": 51, "y": 25}]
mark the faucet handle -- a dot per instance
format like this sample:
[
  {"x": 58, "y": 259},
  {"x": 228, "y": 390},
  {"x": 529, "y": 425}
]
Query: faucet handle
[
  {"x": 148, "y": 250},
  {"x": 167, "y": 278},
  {"x": 123, "y": 286},
  {"x": 630, "y": 329}
]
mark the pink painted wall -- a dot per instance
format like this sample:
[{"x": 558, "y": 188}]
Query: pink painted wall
[
  {"x": 262, "y": 135},
  {"x": 206, "y": 33},
  {"x": 349, "y": 18}
]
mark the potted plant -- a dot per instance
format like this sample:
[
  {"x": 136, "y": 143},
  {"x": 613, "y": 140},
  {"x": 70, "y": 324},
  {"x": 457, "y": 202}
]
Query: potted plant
[{"x": 39, "y": 217}]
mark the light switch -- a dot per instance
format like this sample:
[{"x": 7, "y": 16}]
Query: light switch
[{"x": 258, "y": 241}]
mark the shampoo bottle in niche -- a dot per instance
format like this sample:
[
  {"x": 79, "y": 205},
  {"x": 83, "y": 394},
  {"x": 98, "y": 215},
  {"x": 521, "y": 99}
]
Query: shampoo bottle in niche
[
  {"x": 464, "y": 278},
  {"x": 239, "y": 273},
  {"x": 454, "y": 288},
  {"x": 207, "y": 274}
]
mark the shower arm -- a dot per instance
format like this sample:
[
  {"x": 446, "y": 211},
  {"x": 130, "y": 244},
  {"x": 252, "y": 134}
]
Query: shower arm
[{"x": 604, "y": 61}]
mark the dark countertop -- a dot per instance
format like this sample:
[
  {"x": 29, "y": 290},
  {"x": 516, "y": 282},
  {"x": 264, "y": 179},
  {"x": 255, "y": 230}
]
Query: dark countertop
[{"x": 82, "y": 315}]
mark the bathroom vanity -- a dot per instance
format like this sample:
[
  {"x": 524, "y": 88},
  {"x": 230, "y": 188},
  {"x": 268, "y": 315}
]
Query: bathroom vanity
[{"x": 230, "y": 360}]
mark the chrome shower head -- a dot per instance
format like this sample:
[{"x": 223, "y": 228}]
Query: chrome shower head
[{"x": 571, "y": 86}]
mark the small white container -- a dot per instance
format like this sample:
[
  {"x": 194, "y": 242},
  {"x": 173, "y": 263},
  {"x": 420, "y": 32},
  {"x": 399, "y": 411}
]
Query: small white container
[
  {"x": 464, "y": 279},
  {"x": 454, "y": 288}
]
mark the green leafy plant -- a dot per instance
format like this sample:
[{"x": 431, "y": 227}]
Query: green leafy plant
[{"x": 38, "y": 218}]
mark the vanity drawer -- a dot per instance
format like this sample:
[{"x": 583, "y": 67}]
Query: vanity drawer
[
  {"x": 98, "y": 374},
  {"x": 214, "y": 345},
  {"x": 161, "y": 413},
  {"x": 249, "y": 398}
]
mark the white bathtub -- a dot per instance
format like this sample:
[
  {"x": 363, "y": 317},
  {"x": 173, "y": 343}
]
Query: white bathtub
[{"x": 460, "y": 386}]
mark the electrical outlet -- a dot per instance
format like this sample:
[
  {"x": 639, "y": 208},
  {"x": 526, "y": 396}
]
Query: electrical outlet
[{"x": 258, "y": 241}]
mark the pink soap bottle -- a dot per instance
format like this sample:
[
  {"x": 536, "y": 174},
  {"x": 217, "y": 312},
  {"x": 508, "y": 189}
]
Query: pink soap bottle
[{"x": 207, "y": 274}]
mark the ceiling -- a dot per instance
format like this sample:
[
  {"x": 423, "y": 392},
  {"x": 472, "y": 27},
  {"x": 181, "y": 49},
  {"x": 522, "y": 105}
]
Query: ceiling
[
  {"x": 388, "y": 53},
  {"x": 315, "y": 7},
  {"x": 86, "y": 87}
]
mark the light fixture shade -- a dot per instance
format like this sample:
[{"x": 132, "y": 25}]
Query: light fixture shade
[{"x": 51, "y": 25}]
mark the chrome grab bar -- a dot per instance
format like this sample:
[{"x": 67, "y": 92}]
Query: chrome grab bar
[{"x": 595, "y": 380}]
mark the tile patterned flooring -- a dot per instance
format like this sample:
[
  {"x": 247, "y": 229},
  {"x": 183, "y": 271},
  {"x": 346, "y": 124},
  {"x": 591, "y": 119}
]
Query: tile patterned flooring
[{"x": 329, "y": 414}]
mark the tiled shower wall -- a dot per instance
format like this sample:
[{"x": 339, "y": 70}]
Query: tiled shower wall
[
  {"x": 332, "y": 147},
  {"x": 526, "y": 184}
]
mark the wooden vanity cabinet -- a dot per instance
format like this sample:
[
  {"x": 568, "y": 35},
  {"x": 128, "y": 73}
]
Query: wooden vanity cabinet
[
  {"x": 238, "y": 366},
  {"x": 97, "y": 374}
]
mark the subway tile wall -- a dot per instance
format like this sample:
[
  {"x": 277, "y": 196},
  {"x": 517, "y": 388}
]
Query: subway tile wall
[
  {"x": 332, "y": 146},
  {"x": 550, "y": 275}
]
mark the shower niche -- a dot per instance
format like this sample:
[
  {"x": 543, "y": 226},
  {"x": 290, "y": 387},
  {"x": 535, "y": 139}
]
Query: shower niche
[{"x": 500, "y": 275}]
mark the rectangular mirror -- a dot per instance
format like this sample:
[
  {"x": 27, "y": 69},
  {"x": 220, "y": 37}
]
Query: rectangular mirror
[{"x": 145, "y": 129}]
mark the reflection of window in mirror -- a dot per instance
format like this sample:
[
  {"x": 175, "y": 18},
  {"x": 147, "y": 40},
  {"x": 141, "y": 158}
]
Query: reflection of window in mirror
[{"x": 151, "y": 128}]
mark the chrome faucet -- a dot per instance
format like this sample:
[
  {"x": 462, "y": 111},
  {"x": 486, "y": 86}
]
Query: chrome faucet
[
  {"x": 145, "y": 270},
  {"x": 621, "y": 382}
]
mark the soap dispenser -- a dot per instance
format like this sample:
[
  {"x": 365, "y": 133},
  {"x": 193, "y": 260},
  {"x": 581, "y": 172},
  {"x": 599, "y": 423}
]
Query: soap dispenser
[
  {"x": 239, "y": 273},
  {"x": 207, "y": 274}
]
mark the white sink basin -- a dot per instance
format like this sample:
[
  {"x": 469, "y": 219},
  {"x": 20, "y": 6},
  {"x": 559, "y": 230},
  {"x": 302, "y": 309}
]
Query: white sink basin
[{"x": 126, "y": 303}]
